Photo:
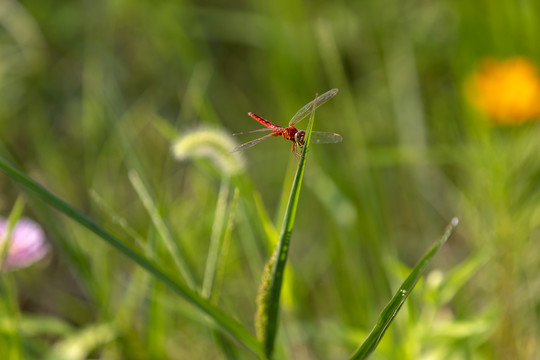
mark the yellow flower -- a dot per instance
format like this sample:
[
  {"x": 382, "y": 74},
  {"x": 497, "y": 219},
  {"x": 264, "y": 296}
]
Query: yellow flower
[{"x": 507, "y": 91}]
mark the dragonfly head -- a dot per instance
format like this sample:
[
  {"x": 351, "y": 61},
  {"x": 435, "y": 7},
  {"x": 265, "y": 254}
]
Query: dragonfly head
[{"x": 299, "y": 137}]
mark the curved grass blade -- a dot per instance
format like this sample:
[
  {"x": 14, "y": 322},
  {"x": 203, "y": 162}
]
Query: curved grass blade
[
  {"x": 14, "y": 216},
  {"x": 228, "y": 324},
  {"x": 393, "y": 307},
  {"x": 307, "y": 109},
  {"x": 162, "y": 229},
  {"x": 216, "y": 239},
  {"x": 270, "y": 290}
]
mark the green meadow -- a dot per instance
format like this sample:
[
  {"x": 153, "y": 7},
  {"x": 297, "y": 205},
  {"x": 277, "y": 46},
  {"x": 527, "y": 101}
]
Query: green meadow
[{"x": 116, "y": 123}]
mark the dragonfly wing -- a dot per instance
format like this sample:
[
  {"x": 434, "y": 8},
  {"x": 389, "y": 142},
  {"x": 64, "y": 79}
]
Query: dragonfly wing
[
  {"x": 318, "y": 137},
  {"x": 252, "y": 131},
  {"x": 306, "y": 110},
  {"x": 250, "y": 143}
]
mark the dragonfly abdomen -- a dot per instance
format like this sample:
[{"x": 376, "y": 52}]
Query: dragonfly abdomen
[{"x": 263, "y": 121}]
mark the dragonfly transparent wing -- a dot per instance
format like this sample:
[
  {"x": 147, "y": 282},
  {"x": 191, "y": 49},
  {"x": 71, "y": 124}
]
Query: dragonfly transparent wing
[
  {"x": 318, "y": 137},
  {"x": 251, "y": 143},
  {"x": 306, "y": 110},
  {"x": 252, "y": 131}
]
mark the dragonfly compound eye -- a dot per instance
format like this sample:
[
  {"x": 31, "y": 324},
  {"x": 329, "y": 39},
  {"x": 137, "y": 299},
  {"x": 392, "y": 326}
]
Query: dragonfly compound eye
[{"x": 299, "y": 137}]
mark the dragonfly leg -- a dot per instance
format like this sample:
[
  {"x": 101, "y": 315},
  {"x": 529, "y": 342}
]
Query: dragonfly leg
[
  {"x": 294, "y": 150},
  {"x": 297, "y": 150}
]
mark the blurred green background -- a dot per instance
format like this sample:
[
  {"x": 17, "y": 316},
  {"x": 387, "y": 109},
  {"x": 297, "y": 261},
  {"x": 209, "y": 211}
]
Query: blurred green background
[{"x": 90, "y": 90}]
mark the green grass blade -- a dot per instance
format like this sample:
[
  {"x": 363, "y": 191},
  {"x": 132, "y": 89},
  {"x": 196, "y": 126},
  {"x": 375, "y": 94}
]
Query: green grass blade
[
  {"x": 9, "y": 308},
  {"x": 162, "y": 229},
  {"x": 227, "y": 323},
  {"x": 14, "y": 216},
  {"x": 119, "y": 220},
  {"x": 390, "y": 311},
  {"x": 268, "y": 302},
  {"x": 216, "y": 239}
]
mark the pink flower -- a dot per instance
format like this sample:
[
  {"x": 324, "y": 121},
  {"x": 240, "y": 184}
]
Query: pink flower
[{"x": 27, "y": 245}]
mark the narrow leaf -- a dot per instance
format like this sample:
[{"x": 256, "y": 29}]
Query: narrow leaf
[
  {"x": 269, "y": 293},
  {"x": 393, "y": 307},
  {"x": 227, "y": 323},
  {"x": 162, "y": 229}
]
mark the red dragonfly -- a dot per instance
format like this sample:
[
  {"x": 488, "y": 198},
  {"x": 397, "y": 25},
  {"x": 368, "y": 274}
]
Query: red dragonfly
[{"x": 291, "y": 132}]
